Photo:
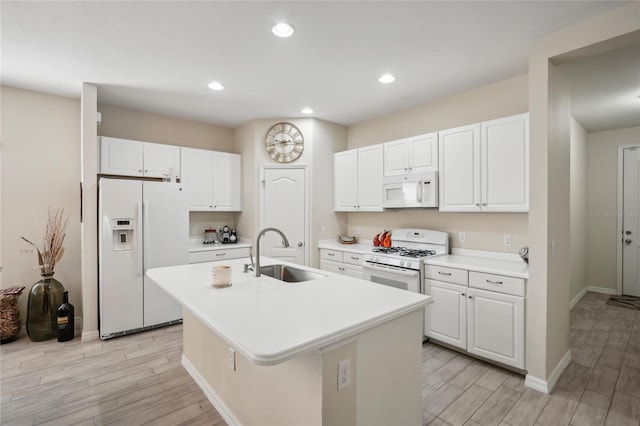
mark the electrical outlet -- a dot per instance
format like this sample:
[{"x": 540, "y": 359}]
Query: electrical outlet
[
  {"x": 507, "y": 240},
  {"x": 344, "y": 374},
  {"x": 462, "y": 237},
  {"x": 232, "y": 359}
]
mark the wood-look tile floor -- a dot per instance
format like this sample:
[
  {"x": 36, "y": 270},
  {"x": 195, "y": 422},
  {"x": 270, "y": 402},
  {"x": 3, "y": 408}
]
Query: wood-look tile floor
[
  {"x": 130, "y": 380},
  {"x": 138, "y": 379},
  {"x": 601, "y": 386}
]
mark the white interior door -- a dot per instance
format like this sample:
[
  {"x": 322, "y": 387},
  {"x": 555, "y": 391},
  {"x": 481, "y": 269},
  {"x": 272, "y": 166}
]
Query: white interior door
[
  {"x": 630, "y": 222},
  {"x": 284, "y": 208}
]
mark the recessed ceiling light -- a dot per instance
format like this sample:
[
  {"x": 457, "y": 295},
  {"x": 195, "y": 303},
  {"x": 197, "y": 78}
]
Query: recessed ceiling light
[
  {"x": 282, "y": 29},
  {"x": 386, "y": 78},
  {"x": 307, "y": 111},
  {"x": 214, "y": 85}
]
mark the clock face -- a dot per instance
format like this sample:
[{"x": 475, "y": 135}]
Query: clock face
[{"x": 284, "y": 142}]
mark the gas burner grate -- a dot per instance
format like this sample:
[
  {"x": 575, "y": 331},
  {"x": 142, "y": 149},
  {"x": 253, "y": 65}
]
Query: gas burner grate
[{"x": 403, "y": 251}]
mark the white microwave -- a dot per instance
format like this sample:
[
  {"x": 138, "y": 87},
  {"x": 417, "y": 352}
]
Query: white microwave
[{"x": 410, "y": 191}]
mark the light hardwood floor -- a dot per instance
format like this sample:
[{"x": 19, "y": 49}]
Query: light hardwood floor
[{"x": 138, "y": 379}]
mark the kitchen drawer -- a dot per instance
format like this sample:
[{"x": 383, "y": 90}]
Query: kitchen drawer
[
  {"x": 353, "y": 258},
  {"x": 215, "y": 255},
  {"x": 499, "y": 283},
  {"x": 329, "y": 254},
  {"x": 448, "y": 275}
]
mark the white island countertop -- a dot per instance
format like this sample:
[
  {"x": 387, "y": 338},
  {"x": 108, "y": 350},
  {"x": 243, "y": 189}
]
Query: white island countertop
[{"x": 269, "y": 321}]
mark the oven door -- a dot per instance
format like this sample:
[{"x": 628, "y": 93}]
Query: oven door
[{"x": 405, "y": 279}]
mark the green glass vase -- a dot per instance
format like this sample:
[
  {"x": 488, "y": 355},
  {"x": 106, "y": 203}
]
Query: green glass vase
[{"x": 42, "y": 310}]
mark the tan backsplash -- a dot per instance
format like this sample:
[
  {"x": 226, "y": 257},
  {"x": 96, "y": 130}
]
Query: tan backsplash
[{"x": 483, "y": 231}]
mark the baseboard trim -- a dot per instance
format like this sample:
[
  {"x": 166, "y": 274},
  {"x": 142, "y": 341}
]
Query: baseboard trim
[
  {"x": 211, "y": 395},
  {"x": 90, "y": 335},
  {"x": 548, "y": 385},
  {"x": 579, "y": 296},
  {"x": 536, "y": 384}
]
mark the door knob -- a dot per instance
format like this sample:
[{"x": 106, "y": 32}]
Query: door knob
[
  {"x": 628, "y": 241},
  {"x": 300, "y": 244}
]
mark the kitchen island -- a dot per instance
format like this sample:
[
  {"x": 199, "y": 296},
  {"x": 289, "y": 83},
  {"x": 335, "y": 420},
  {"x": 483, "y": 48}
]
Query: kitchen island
[{"x": 266, "y": 351}]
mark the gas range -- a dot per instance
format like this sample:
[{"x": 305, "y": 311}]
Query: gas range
[{"x": 410, "y": 247}]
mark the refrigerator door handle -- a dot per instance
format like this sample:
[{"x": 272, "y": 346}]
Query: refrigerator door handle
[
  {"x": 145, "y": 236},
  {"x": 138, "y": 238}
]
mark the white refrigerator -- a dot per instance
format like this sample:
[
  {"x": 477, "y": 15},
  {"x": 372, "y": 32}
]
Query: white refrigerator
[{"x": 143, "y": 225}]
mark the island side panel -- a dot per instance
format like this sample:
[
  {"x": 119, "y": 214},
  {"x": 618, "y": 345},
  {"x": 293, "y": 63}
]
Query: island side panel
[
  {"x": 286, "y": 393},
  {"x": 339, "y": 406},
  {"x": 389, "y": 373}
]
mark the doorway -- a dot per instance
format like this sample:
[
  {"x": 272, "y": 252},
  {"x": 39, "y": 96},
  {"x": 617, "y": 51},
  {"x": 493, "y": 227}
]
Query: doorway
[
  {"x": 284, "y": 205},
  {"x": 629, "y": 220}
]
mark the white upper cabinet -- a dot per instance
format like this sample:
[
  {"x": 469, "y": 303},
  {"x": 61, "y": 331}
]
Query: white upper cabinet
[
  {"x": 212, "y": 179},
  {"x": 159, "y": 159},
  {"x": 358, "y": 179},
  {"x": 505, "y": 164},
  {"x": 485, "y": 167},
  {"x": 417, "y": 154},
  {"x": 126, "y": 157},
  {"x": 121, "y": 157},
  {"x": 227, "y": 179},
  {"x": 460, "y": 169}
]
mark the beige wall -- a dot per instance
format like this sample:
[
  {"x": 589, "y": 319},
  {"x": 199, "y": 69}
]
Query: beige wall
[
  {"x": 548, "y": 288},
  {"x": 602, "y": 202},
  {"x": 579, "y": 185},
  {"x": 40, "y": 169},
  {"x": 482, "y": 230},
  {"x": 328, "y": 139},
  {"x": 149, "y": 127}
]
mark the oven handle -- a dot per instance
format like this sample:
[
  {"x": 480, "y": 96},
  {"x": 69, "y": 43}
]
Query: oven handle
[{"x": 406, "y": 273}]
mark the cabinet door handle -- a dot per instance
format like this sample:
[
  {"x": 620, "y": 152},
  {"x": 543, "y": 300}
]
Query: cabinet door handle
[
  {"x": 220, "y": 254},
  {"x": 331, "y": 254},
  {"x": 462, "y": 294},
  {"x": 494, "y": 282},
  {"x": 444, "y": 273},
  {"x": 354, "y": 258},
  {"x": 469, "y": 297},
  {"x": 477, "y": 204}
]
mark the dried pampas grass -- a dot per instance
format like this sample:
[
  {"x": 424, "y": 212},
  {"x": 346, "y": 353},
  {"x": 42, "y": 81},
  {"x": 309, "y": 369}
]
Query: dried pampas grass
[{"x": 51, "y": 250}]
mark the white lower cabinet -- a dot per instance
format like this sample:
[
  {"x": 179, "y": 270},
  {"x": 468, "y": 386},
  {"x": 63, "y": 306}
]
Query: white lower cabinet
[
  {"x": 339, "y": 262},
  {"x": 446, "y": 317},
  {"x": 486, "y": 321},
  {"x": 495, "y": 326},
  {"x": 221, "y": 254}
]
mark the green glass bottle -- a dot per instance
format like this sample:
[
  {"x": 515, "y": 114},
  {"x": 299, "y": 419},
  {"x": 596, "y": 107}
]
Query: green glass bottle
[{"x": 42, "y": 310}]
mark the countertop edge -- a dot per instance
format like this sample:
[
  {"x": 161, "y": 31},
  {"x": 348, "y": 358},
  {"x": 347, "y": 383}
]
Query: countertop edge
[
  {"x": 475, "y": 264},
  {"x": 280, "y": 357}
]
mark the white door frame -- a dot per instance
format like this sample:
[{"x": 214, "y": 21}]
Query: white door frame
[
  {"x": 620, "y": 214},
  {"x": 307, "y": 211}
]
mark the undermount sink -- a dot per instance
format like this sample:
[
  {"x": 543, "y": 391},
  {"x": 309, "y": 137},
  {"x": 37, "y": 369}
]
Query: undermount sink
[{"x": 289, "y": 274}]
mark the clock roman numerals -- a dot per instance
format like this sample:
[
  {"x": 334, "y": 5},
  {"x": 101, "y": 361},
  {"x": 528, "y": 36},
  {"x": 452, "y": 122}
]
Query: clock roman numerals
[{"x": 284, "y": 142}]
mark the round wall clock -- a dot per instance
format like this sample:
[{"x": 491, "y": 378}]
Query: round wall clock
[{"x": 284, "y": 142}]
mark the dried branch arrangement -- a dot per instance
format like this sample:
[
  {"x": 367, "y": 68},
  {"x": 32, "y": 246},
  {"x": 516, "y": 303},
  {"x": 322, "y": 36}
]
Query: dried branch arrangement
[{"x": 51, "y": 250}]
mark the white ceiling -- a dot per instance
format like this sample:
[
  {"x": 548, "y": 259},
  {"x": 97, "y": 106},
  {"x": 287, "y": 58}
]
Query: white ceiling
[{"x": 160, "y": 56}]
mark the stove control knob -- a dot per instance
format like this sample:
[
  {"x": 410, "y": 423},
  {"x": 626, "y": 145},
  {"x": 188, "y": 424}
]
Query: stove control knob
[
  {"x": 408, "y": 264},
  {"x": 377, "y": 259},
  {"x": 402, "y": 263}
]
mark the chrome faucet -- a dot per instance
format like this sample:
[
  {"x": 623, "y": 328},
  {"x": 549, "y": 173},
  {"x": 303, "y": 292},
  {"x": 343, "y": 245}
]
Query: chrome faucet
[{"x": 285, "y": 243}]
